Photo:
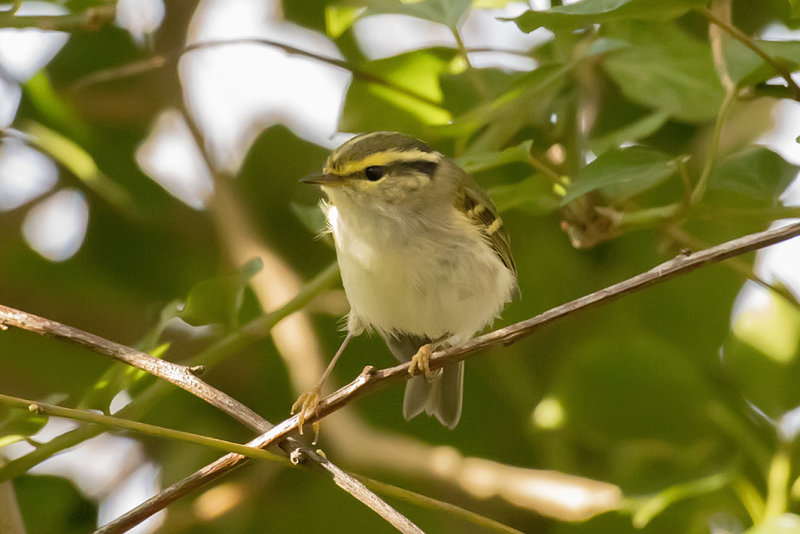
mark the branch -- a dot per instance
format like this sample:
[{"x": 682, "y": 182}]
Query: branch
[
  {"x": 139, "y": 67},
  {"x": 258, "y": 328},
  {"x": 370, "y": 380},
  {"x": 92, "y": 19},
  {"x": 185, "y": 378}
]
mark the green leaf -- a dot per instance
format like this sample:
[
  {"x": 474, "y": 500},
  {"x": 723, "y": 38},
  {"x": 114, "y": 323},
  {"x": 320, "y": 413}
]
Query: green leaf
[
  {"x": 630, "y": 133},
  {"x": 795, "y": 5},
  {"x": 748, "y": 68},
  {"x": 338, "y": 19},
  {"x": 528, "y": 100},
  {"x": 481, "y": 161},
  {"x": 447, "y": 12},
  {"x": 755, "y": 176},
  {"x": 371, "y": 105},
  {"x": 311, "y": 217},
  {"x": 667, "y": 70},
  {"x": 761, "y": 356},
  {"x": 622, "y": 173},
  {"x": 590, "y": 12},
  {"x": 18, "y": 424},
  {"x": 218, "y": 300},
  {"x": 782, "y": 524},
  {"x": 533, "y": 195}
]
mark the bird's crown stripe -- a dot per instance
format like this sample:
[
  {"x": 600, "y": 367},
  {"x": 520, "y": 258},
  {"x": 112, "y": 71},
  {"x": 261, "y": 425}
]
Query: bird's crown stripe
[{"x": 381, "y": 158}]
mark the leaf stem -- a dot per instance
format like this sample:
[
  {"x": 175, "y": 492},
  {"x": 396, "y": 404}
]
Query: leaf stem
[
  {"x": 713, "y": 150},
  {"x": 746, "y": 40},
  {"x": 87, "y": 416}
]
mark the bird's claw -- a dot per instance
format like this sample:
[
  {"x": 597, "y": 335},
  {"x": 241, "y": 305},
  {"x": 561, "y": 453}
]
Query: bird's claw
[
  {"x": 421, "y": 362},
  {"x": 306, "y": 407}
]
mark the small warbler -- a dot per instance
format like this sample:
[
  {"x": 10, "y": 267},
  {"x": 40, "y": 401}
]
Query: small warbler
[{"x": 424, "y": 258}]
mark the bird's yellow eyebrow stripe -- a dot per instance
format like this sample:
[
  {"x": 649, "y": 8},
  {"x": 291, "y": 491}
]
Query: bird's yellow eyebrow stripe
[{"x": 380, "y": 158}]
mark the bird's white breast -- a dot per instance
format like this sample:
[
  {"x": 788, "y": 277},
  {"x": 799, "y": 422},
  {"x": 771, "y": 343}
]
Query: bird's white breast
[{"x": 433, "y": 279}]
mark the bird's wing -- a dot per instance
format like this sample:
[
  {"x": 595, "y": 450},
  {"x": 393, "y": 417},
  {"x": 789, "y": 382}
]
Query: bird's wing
[{"x": 478, "y": 207}]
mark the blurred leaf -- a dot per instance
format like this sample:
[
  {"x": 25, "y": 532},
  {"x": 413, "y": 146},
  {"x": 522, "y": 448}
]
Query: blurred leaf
[
  {"x": 68, "y": 511},
  {"x": 795, "y": 4},
  {"x": 782, "y": 524},
  {"x": 338, "y": 19},
  {"x": 476, "y": 162},
  {"x": 666, "y": 69},
  {"x": 754, "y": 176},
  {"x": 637, "y": 390},
  {"x": 218, "y": 300},
  {"x": 622, "y": 173},
  {"x": 653, "y": 506},
  {"x": 630, "y": 133},
  {"x": 748, "y": 68},
  {"x": 589, "y": 12},
  {"x": 16, "y": 424},
  {"x": 80, "y": 163},
  {"x": 533, "y": 195},
  {"x": 311, "y": 217},
  {"x": 761, "y": 355},
  {"x": 372, "y": 106},
  {"x": 447, "y": 12},
  {"x": 527, "y": 100}
]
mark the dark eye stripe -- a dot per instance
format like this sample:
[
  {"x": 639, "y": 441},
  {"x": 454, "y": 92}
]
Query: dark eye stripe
[{"x": 421, "y": 166}]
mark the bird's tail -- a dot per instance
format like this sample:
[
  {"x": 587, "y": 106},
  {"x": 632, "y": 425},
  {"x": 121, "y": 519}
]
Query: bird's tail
[{"x": 440, "y": 396}]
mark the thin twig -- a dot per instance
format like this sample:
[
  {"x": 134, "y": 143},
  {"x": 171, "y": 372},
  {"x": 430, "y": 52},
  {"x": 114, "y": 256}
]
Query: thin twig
[
  {"x": 138, "y": 67},
  {"x": 184, "y": 378},
  {"x": 119, "y": 423},
  {"x": 257, "y": 329},
  {"x": 180, "y": 375},
  {"x": 745, "y": 39},
  {"x": 370, "y": 380},
  {"x": 92, "y": 19}
]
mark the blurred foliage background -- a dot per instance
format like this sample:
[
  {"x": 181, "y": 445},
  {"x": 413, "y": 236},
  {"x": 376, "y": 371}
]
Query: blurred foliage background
[{"x": 138, "y": 181}]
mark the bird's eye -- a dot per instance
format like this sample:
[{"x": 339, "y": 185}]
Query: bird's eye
[{"x": 374, "y": 172}]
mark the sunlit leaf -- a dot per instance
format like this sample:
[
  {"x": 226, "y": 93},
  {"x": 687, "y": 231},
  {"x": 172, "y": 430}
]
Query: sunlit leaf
[
  {"x": 447, "y": 12},
  {"x": 782, "y": 524},
  {"x": 338, "y": 19},
  {"x": 412, "y": 101},
  {"x": 622, "y": 173}
]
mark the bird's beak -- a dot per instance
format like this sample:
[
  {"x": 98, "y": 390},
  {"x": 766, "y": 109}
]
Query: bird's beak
[{"x": 322, "y": 179}]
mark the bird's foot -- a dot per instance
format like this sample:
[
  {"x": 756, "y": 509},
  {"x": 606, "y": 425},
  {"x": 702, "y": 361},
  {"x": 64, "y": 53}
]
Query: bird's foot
[
  {"x": 421, "y": 362},
  {"x": 306, "y": 407}
]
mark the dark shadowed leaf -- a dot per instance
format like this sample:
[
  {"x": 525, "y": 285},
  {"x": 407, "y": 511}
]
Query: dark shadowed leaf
[{"x": 755, "y": 176}]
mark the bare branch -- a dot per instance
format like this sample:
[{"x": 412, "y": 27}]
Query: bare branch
[
  {"x": 184, "y": 378},
  {"x": 370, "y": 380}
]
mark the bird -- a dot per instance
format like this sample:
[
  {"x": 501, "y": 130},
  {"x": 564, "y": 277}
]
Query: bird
[{"x": 424, "y": 258}]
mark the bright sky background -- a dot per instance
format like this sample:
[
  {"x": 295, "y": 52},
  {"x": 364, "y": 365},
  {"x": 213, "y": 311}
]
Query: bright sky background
[{"x": 234, "y": 93}]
